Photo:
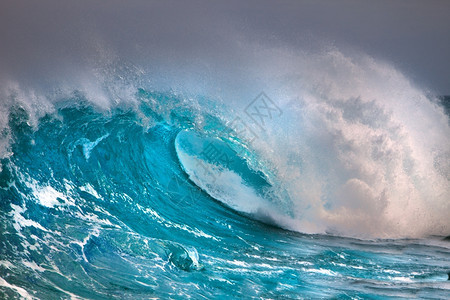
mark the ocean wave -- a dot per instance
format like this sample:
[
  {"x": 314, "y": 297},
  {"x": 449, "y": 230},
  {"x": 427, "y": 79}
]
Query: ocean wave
[{"x": 150, "y": 182}]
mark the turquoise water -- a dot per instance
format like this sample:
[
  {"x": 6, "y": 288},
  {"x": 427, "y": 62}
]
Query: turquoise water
[{"x": 127, "y": 203}]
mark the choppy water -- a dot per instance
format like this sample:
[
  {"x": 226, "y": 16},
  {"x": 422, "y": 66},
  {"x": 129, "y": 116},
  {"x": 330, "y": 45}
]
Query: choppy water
[
  {"x": 330, "y": 190},
  {"x": 102, "y": 205}
]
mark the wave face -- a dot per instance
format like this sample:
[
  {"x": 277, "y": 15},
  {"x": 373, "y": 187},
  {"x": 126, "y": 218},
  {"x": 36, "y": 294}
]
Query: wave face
[{"x": 169, "y": 196}]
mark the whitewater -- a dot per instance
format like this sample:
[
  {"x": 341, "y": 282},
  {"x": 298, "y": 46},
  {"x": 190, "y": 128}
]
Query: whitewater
[{"x": 325, "y": 175}]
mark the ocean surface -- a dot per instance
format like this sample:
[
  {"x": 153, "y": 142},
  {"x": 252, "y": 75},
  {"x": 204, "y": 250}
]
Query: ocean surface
[
  {"x": 171, "y": 198},
  {"x": 328, "y": 177}
]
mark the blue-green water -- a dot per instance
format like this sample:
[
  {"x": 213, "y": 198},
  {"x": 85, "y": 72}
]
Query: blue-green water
[{"x": 102, "y": 205}]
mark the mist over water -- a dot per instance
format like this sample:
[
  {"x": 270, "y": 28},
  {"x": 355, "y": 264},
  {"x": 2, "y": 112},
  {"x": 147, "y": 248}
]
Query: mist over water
[{"x": 363, "y": 151}]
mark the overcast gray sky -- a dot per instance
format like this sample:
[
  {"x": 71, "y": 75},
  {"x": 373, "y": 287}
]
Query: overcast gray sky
[{"x": 45, "y": 39}]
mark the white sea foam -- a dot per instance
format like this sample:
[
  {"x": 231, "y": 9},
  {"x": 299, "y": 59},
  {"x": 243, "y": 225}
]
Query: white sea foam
[
  {"x": 21, "y": 291},
  {"x": 48, "y": 196},
  {"x": 20, "y": 221},
  {"x": 32, "y": 265},
  {"x": 6, "y": 264},
  {"x": 88, "y": 146},
  {"x": 321, "y": 271},
  {"x": 90, "y": 189}
]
